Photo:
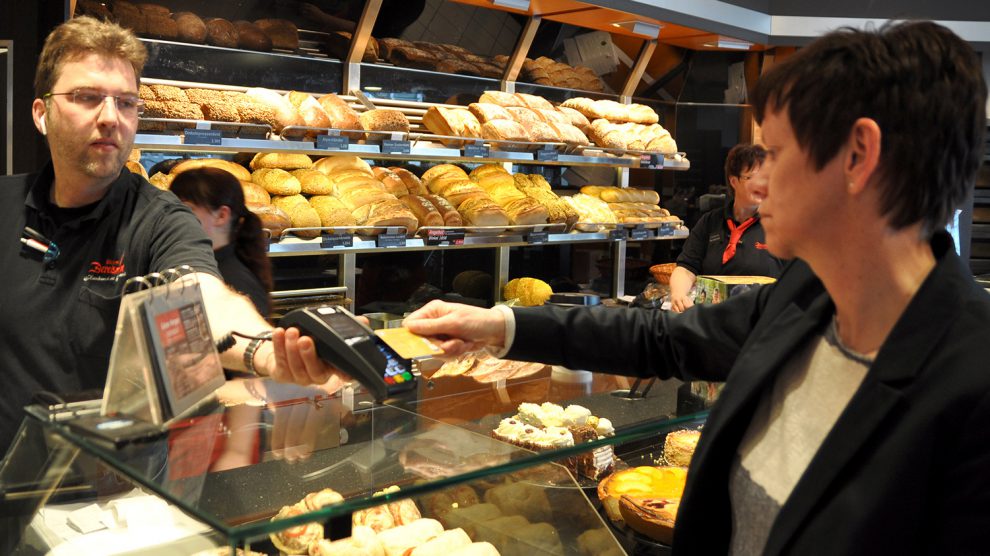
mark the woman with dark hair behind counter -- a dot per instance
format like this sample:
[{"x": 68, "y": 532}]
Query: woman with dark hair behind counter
[
  {"x": 217, "y": 200},
  {"x": 728, "y": 240}
]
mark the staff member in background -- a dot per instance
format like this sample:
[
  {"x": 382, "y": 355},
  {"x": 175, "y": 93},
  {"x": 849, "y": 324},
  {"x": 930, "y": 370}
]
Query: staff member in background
[
  {"x": 728, "y": 240},
  {"x": 58, "y": 313},
  {"x": 857, "y": 397},
  {"x": 217, "y": 200}
]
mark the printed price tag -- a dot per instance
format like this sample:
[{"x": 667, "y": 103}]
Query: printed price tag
[
  {"x": 617, "y": 235},
  {"x": 445, "y": 237},
  {"x": 336, "y": 240},
  {"x": 202, "y": 137},
  {"x": 476, "y": 151},
  {"x": 547, "y": 154},
  {"x": 391, "y": 240},
  {"x": 537, "y": 237},
  {"x": 666, "y": 230},
  {"x": 639, "y": 233},
  {"x": 392, "y": 146},
  {"x": 652, "y": 161},
  {"x": 332, "y": 142}
]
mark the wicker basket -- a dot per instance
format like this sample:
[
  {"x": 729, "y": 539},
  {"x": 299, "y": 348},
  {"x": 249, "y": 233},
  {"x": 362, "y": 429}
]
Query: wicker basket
[{"x": 661, "y": 272}]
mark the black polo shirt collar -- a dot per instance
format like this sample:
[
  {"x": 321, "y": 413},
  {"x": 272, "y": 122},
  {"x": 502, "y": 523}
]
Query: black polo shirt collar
[{"x": 39, "y": 198}]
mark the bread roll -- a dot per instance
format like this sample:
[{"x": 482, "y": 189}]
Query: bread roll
[
  {"x": 254, "y": 194},
  {"x": 384, "y": 120},
  {"x": 285, "y": 113},
  {"x": 237, "y": 170},
  {"x": 502, "y": 99},
  {"x": 341, "y": 115},
  {"x": 220, "y": 32},
  {"x": 449, "y": 213},
  {"x": 313, "y": 182},
  {"x": 283, "y": 33},
  {"x": 302, "y": 214},
  {"x": 393, "y": 183},
  {"x": 332, "y": 212},
  {"x": 285, "y": 161},
  {"x": 272, "y": 218},
  {"x": 311, "y": 112},
  {"x": 413, "y": 183},
  {"x": 251, "y": 37},
  {"x": 423, "y": 210},
  {"x": 191, "y": 27},
  {"x": 277, "y": 181},
  {"x": 334, "y": 164}
]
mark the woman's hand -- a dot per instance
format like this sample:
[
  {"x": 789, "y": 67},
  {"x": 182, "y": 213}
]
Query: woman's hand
[{"x": 680, "y": 303}]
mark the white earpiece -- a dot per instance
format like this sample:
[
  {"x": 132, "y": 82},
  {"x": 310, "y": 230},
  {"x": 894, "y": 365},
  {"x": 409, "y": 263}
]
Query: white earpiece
[{"x": 44, "y": 126}]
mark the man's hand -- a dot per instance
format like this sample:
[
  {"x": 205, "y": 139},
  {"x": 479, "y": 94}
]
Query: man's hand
[
  {"x": 291, "y": 358},
  {"x": 457, "y": 328},
  {"x": 680, "y": 303}
]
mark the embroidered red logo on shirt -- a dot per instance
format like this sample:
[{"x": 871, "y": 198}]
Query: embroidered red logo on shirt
[
  {"x": 108, "y": 270},
  {"x": 761, "y": 245}
]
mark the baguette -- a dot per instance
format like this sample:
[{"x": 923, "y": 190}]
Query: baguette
[
  {"x": 237, "y": 170},
  {"x": 625, "y": 195},
  {"x": 425, "y": 212},
  {"x": 412, "y": 183},
  {"x": 450, "y": 215}
]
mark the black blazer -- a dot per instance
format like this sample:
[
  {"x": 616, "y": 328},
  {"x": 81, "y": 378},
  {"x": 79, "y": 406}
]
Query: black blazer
[{"x": 905, "y": 469}]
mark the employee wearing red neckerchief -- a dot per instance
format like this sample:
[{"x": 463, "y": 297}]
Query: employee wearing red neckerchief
[{"x": 728, "y": 241}]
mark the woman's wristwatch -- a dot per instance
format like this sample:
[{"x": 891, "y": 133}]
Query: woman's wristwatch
[{"x": 252, "y": 349}]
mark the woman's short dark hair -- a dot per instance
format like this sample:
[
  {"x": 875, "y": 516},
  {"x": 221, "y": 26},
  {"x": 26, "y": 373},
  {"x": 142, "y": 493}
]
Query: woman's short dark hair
[
  {"x": 919, "y": 82},
  {"x": 213, "y": 188},
  {"x": 742, "y": 157}
]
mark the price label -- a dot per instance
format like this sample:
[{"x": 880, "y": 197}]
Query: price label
[
  {"x": 445, "y": 237},
  {"x": 480, "y": 151},
  {"x": 329, "y": 241},
  {"x": 391, "y": 240},
  {"x": 392, "y": 146},
  {"x": 652, "y": 161},
  {"x": 332, "y": 142},
  {"x": 547, "y": 154},
  {"x": 639, "y": 233},
  {"x": 537, "y": 237},
  {"x": 617, "y": 235},
  {"x": 202, "y": 137},
  {"x": 666, "y": 229}
]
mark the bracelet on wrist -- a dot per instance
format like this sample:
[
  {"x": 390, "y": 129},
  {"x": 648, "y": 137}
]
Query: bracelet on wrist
[{"x": 252, "y": 350}]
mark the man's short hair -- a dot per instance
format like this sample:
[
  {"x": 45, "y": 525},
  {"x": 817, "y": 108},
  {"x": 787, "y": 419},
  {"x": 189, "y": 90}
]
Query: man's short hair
[
  {"x": 79, "y": 37},
  {"x": 743, "y": 157},
  {"x": 922, "y": 85}
]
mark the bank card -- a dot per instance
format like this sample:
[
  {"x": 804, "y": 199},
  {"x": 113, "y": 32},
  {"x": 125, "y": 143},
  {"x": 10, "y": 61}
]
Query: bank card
[{"x": 407, "y": 344}]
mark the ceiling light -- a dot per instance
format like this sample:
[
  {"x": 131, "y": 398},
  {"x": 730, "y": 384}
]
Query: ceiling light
[
  {"x": 729, "y": 44},
  {"x": 641, "y": 28},
  {"x": 522, "y": 5}
]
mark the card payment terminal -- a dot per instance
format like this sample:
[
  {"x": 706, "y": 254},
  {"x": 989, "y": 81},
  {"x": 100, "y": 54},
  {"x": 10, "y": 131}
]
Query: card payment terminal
[{"x": 354, "y": 348}]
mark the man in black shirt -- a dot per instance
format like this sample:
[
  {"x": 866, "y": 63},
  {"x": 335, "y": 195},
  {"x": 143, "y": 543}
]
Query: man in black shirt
[{"x": 59, "y": 311}]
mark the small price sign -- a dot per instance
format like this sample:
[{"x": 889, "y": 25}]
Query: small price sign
[
  {"x": 534, "y": 238},
  {"x": 391, "y": 240},
  {"x": 639, "y": 232},
  {"x": 329, "y": 241},
  {"x": 651, "y": 161},
  {"x": 333, "y": 142},
  {"x": 476, "y": 151},
  {"x": 445, "y": 237},
  {"x": 393, "y": 146},
  {"x": 547, "y": 154},
  {"x": 617, "y": 234},
  {"x": 202, "y": 137},
  {"x": 666, "y": 229}
]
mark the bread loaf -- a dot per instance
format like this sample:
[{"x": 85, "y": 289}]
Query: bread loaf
[
  {"x": 384, "y": 120},
  {"x": 541, "y": 132},
  {"x": 504, "y": 130},
  {"x": 386, "y": 45},
  {"x": 251, "y": 37},
  {"x": 341, "y": 115},
  {"x": 459, "y": 193},
  {"x": 283, "y": 33},
  {"x": 442, "y": 170},
  {"x": 483, "y": 211},
  {"x": 237, "y": 170},
  {"x": 311, "y": 112},
  {"x": 569, "y": 134},
  {"x": 358, "y": 197},
  {"x": 313, "y": 182},
  {"x": 412, "y": 183},
  {"x": 272, "y": 218},
  {"x": 412, "y": 58},
  {"x": 535, "y": 102},
  {"x": 153, "y": 9},
  {"x": 502, "y": 99},
  {"x": 486, "y": 111},
  {"x": 277, "y": 181},
  {"x": 191, "y": 28},
  {"x": 455, "y": 122},
  {"x": 220, "y": 32},
  {"x": 332, "y": 212},
  {"x": 285, "y": 113},
  {"x": 619, "y": 195},
  {"x": 285, "y": 161},
  {"x": 161, "y": 27},
  {"x": 254, "y": 194},
  {"x": 426, "y": 214},
  {"x": 334, "y": 164},
  {"x": 449, "y": 213},
  {"x": 386, "y": 212},
  {"x": 393, "y": 183},
  {"x": 576, "y": 118}
]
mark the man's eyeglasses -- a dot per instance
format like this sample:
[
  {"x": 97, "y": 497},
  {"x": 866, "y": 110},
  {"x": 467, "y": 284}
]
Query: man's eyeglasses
[{"x": 128, "y": 105}]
